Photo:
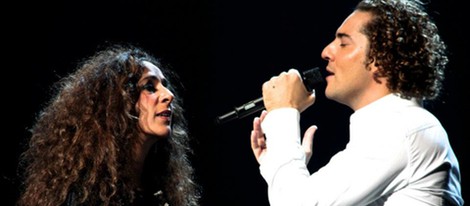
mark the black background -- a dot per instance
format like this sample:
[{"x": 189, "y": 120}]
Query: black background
[{"x": 223, "y": 51}]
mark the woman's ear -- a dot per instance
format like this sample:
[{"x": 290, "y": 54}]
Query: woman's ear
[{"x": 137, "y": 107}]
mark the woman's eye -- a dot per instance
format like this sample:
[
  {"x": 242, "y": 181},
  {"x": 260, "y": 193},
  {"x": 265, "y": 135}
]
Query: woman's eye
[
  {"x": 149, "y": 87},
  {"x": 164, "y": 82}
]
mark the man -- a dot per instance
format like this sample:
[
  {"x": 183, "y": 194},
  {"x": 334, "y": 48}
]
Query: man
[{"x": 386, "y": 58}]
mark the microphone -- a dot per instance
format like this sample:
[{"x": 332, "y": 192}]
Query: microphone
[{"x": 311, "y": 79}]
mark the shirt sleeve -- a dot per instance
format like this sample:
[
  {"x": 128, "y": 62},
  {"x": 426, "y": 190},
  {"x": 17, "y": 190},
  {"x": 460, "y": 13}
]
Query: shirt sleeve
[
  {"x": 354, "y": 176},
  {"x": 283, "y": 167}
]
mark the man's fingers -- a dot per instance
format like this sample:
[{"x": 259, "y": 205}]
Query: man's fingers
[{"x": 307, "y": 142}]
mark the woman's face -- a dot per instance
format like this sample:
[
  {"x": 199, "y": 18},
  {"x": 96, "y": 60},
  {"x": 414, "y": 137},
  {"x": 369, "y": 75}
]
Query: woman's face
[{"x": 154, "y": 104}]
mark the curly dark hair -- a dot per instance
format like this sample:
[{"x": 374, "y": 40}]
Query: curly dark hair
[
  {"x": 406, "y": 47},
  {"x": 82, "y": 141}
]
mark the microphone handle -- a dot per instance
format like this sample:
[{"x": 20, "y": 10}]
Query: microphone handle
[
  {"x": 242, "y": 111},
  {"x": 311, "y": 79}
]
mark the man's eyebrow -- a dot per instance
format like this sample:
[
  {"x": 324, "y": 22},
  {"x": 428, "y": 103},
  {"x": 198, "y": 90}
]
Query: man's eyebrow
[{"x": 343, "y": 35}]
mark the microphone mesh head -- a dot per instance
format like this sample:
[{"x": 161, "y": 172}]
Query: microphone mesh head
[{"x": 312, "y": 78}]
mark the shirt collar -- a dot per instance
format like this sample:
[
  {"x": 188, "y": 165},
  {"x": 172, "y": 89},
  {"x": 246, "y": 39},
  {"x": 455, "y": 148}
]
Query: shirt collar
[{"x": 386, "y": 103}]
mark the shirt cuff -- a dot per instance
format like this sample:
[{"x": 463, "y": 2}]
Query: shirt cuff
[
  {"x": 282, "y": 131},
  {"x": 282, "y": 126}
]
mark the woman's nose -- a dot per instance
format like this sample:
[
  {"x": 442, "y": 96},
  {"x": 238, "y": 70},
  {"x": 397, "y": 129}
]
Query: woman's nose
[{"x": 167, "y": 96}]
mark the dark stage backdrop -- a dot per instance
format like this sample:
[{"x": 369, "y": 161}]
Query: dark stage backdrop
[{"x": 223, "y": 51}]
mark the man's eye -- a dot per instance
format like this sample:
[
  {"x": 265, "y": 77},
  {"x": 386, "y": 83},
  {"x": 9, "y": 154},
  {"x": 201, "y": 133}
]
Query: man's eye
[{"x": 149, "y": 87}]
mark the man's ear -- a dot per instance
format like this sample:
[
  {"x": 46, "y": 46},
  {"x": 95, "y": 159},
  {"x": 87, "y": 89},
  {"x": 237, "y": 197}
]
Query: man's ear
[{"x": 370, "y": 65}]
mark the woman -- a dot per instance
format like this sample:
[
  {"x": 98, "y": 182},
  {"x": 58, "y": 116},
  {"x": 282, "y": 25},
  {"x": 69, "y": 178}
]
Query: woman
[{"x": 114, "y": 134}]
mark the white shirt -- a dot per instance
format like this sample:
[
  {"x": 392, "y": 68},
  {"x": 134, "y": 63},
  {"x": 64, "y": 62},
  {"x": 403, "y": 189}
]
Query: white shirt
[{"x": 398, "y": 154}]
